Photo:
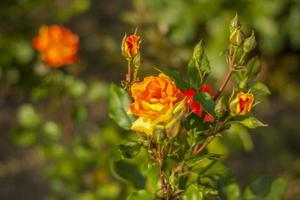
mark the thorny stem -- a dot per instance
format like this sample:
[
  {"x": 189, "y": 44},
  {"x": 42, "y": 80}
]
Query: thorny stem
[
  {"x": 204, "y": 145},
  {"x": 230, "y": 60},
  {"x": 224, "y": 83},
  {"x": 135, "y": 74},
  {"x": 164, "y": 186}
]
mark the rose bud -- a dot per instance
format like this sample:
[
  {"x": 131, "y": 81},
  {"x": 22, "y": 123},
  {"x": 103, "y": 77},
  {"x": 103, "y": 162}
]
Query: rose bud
[
  {"x": 242, "y": 104},
  {"x": 130, "y": 46},
  {"x": 234, "y": 24},
  {"x": 250, "y": 43},
  {"x": 236, "y": 37}
]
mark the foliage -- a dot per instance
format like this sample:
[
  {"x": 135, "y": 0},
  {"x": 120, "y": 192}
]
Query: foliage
[
  {"x": 61, "y": 113},
  {"x": 184, "y": 166}
]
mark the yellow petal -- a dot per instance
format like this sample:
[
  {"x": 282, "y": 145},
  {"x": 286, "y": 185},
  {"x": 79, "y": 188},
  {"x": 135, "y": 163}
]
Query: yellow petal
[
  {"x": 166, "y": 116},
  {"x": 143, "y": 126},
  {"x": 155, "y": 106}
]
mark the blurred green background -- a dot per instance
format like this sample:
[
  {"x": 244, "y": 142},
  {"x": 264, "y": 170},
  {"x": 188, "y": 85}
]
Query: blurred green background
[{"x": 56, "y": 138}]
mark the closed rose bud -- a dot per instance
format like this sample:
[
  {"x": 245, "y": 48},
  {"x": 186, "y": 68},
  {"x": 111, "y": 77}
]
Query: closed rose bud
[
  {"x": 234, "y": 24},
  {"x": 250, "y": 43},
  {"x": 131, "y": 46},
  {"x": 242, "y": 104},
  {"x": 236, "y": 37}
]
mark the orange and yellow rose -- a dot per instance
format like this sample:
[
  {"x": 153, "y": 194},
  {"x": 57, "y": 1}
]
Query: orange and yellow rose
[
  {"x": 242, "y": 103},
  {"x": 157, "y": 101},
  {"x": 131, "y": 45},
  {"x": 57, "y": 45}
]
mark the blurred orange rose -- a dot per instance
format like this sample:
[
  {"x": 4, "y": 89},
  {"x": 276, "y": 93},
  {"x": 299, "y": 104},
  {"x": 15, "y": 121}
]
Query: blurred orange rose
[
  {"x": 131, "y": 46},
  {"x": 157, "y": 101},
  {"x": 57, "y": 45},
  {"x": 242, "y": 104}
]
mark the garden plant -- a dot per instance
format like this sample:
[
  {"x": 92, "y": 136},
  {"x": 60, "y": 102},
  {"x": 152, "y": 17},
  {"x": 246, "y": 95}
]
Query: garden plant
[{"x": 172, "y": 118}]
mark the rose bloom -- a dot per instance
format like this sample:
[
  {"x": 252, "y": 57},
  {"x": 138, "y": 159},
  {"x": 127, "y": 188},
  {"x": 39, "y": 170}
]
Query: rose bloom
[
  {"x": 57, "y": 45},
  {"x": 242, "y": 104},
  {"x": 196, "y": 107},
  {"x": 157, "y": 101},
  {"x": 131, "y": 46}
]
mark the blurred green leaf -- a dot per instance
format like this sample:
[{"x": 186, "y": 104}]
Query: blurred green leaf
[
  {"x": 239, "y": 137},
  {"x": 118, "y": 107},
  {"x": 79, "y": 114},
  {"x": 140, "y": 195},
  {"x": 128, "y": 172},
  {"x": 75, "y": 87},
  {"x": 192, "y": 193},
  {"x": 97, "y": 91},
  {"x": 52, "y": 131},
  {"x": 129, "y": 148},
  {"x": 265, "y": 188},
  {"x": 28, "y": 117},
  {"x": 252, "y": 122},
  {"x": 226, "y": 183},
  {"x": 23, "y": 137},
  {"x": 259, "y": 90},
  {"x": 109, "y": 191},
  {"x": 23, "y": 52}
]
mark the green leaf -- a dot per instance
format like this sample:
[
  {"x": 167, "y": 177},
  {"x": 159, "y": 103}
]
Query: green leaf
[
  {"x": 118, "y": 107},
  {"x": 198, "y": 67},
  {"x": 254, "y": 67},
  {"x": 265, "y": 188},
  {"x": 260, "y": 90},
  {"x": 129, "y": 149},
  {"x": 194, "y": 75},
  {"x": 193, "y": 161},
  {"x": 174, "y": 75},
  {"x": 192, "y": 193},
  {"x": 24, "y": 137},
  {"x": 206, "y": 101},
  {"x": 252, "y": 122},
  {"x": 128, "y": 172},
  {"x": 226, "y": 183},
  {"x": 140, "y": 195}
]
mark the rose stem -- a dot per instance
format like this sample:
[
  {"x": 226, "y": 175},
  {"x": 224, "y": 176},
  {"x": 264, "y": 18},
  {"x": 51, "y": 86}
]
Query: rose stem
[
  {"x": 161, "y": 175},
  {"x": 128, "y": 76}
]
